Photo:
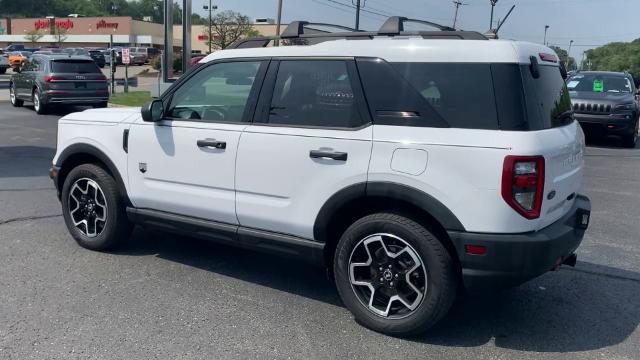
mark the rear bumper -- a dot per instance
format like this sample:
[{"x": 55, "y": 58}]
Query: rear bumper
[
  {"x": 74, "y": 97},
  {"x": 512, "y": 259},
  {"x": 613, "y": 123}
]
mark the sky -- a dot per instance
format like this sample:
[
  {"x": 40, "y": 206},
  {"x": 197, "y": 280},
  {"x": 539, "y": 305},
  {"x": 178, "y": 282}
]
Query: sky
[{"x": 589, "y": 23}]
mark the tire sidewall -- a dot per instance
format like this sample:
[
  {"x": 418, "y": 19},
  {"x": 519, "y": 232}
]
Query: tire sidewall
[
  {"x": 107, "y": 184},
  {"x": 422, "y": 317}
]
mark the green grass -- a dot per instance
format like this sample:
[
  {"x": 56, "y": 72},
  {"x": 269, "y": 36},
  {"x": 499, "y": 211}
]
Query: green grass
[{"x": 132, "y": 98}]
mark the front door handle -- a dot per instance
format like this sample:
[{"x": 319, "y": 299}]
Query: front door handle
[
  {"x": 323, "y": 154},
  {"x": 212, "y": 143}
]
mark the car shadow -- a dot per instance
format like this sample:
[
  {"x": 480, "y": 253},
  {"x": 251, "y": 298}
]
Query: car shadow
[
  {"x": 607, "y": 142},
  {"x": 575, "y": 309},
  {"x": 25, "y": 161},
  {"x": 60, "y": 110}
]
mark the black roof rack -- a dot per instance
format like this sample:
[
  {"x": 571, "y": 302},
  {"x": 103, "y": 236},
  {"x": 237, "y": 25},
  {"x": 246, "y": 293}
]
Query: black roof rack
[{"x": 305, "y": 33}]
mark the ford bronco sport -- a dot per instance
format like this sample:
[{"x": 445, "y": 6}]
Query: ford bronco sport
[{"x": 412, "y": 164}]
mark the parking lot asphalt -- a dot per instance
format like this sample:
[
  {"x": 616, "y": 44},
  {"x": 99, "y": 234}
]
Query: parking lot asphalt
[{"x": 164, "y": 296}]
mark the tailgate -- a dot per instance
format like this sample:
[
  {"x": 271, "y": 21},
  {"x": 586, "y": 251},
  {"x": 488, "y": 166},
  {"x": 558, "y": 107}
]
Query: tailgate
[{"x": 564, "y": 150}]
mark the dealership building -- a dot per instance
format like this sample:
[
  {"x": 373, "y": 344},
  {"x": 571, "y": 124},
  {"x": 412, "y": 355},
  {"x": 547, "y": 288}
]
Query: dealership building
[
  {"x": 83, "y": 31},
  {"x": 96, "y": 32}
]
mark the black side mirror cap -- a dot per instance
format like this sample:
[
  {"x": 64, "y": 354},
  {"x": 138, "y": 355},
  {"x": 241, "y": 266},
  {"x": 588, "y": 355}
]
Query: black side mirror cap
[{"x": 153, "y": 111}]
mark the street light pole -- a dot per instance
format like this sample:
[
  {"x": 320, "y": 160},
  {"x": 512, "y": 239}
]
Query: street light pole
[
  {"x": 278, "y": 21},
  {"x": 210, "y": 8},
  {"x": 493, "y": 5},
  {"x": 357, "y": 14},
  {"x": 546, "y": 27},
  {"x": 457, "y": 3},
  {"x": 569, "y": 54}
]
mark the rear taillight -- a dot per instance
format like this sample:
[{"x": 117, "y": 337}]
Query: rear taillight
[
  {"x": 50, "y": 78},
  {"x": 102, "y": 77},
  {"x": 523, "y": 184}
]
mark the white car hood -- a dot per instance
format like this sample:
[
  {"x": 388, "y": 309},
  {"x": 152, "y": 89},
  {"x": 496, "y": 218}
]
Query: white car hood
[{"x": 108, "y": 115}]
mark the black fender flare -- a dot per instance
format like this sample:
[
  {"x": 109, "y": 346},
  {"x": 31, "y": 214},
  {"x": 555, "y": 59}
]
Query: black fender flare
[
  {"x": 390, "y": 190},
  {"x": 83, "y": 148}
]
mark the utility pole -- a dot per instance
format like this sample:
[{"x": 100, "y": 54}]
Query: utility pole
[
  {"x": 569, "y": 54},
  {"x": 210, "y": 8},
  {"x": 357, "y": 14},
  {"x": 278, "y": 21},
  {"x": 457, "y": 3},
  {"x": 493, "y": 5},
  {"x": 546, "y": 27}
]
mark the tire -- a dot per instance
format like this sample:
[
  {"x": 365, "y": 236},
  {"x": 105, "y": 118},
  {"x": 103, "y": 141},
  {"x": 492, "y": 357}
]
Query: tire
[
  {"x": 408, "y": 241},
  {"x": 13, "y": 97},
  {"x": 38, "y": 105},
  {"x": 99, "y": 105},
  {"x": 630, "y": 140},
  {"x": 96, "y": 234}
]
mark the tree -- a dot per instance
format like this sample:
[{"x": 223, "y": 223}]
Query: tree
[
  {"x": 60, "y": 34},
  {"x": 33, "y": 36},
  {"x": 563, "y": 54},
  {"x": 227, "y": 27}
]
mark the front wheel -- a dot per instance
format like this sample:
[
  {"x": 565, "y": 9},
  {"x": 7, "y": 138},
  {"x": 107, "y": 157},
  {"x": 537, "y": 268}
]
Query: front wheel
[
  {"x": 394, "y": 275},
  {"x": 93, "y": 208}
]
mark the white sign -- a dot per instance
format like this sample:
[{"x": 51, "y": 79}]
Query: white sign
[{"x": 125, "y": 56}]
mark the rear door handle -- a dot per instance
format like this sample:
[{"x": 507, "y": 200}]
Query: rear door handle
[
  {"x": 212, "y": 143},
  {"x": 323, "y": 154}
]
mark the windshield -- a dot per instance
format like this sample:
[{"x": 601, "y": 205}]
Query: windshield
[{"x": 599, "y": 83}]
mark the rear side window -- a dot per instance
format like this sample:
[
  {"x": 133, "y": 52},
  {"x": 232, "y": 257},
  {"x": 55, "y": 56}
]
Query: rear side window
[
  {"x": 548, "y": 103},
  {"x": 74, "y": 66},
  {"x": 462, "y": 94},
  {"x": 314, "y": 93}
]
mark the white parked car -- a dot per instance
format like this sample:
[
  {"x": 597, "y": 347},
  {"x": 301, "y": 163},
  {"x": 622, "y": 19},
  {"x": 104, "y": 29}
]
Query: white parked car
[{"x": 411, "y": 164}]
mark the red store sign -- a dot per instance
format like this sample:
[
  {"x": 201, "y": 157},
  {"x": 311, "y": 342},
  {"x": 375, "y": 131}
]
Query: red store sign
[
  {"x": 102, "y": 24},
  {"x": 44, "y": 24}
]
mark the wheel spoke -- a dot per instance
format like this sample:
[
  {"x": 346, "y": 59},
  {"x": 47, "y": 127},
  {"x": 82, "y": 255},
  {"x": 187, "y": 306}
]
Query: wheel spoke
[
  {"x": 383, "y": 282},
  {"x": 89, "y": 213}
]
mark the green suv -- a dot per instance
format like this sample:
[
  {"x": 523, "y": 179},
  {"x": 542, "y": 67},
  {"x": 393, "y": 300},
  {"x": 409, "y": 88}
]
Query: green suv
[{"x": 51, "y": 79}]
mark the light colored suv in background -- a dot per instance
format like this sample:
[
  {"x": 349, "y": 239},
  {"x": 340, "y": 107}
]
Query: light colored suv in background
[{"x": 411, "y": 164}]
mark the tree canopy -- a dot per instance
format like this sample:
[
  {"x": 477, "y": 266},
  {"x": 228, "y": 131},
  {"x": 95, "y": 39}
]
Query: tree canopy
[
  {"x": 617, "y": 56},
  {"x": 563, "y": 54}
]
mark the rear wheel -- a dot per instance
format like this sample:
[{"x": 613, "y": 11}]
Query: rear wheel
[
  {"x": 94, "y": 209},
  {"x": 38, "y": 104},
  {"x": 394, "y": 275},
  {"x": 14, "y": 98},
  {"x": 103, "y": 104}
]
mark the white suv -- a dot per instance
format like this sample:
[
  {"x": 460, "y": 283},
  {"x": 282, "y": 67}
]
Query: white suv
[{"x": 413, "y": 165}]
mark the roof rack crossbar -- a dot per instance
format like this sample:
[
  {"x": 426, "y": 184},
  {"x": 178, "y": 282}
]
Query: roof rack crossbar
[
  {"x": 392, "y": 27},
  {"x": 395, "y": 25},
  {"x": 296, "y": 28}
]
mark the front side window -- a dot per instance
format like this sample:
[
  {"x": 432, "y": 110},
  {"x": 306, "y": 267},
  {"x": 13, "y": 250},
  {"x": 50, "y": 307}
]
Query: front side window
[
  {"x": 217, "y": 93},
  {"x": 314, "y": 93}
]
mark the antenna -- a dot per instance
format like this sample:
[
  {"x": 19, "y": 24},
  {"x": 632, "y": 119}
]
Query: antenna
[{"x": 505, "y": 19}]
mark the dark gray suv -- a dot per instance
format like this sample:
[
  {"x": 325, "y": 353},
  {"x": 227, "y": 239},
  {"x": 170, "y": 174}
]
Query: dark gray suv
[
  {"x": 50, "y": 79},
  {"x": 606, "y": 103}
]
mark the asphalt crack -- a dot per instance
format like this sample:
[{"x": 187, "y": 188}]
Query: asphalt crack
[{"x": 26, "y": 218}]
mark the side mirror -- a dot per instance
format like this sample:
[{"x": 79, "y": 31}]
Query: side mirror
[{"x": 153, "y": 111}]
